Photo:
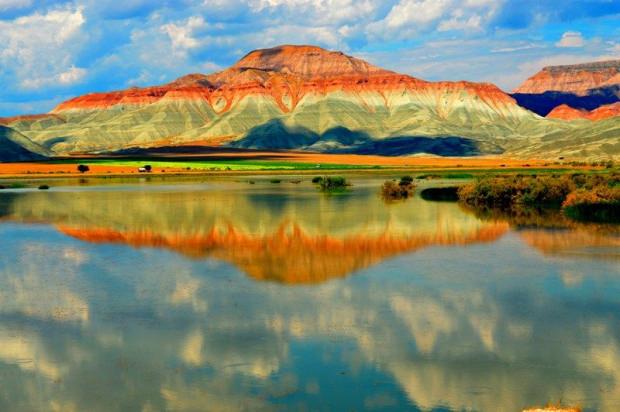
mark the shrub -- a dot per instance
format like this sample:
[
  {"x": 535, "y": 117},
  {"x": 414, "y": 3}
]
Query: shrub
[
  {"x": 44, "y": 187},
  {"x": 333, "y": 183},
  {"x": 600, "y": 204},
  {"x": 83, "y": 168},
  {"x": 317, "y": 179},
  {"x": 391, "y": 190},
  {"x": 275, "y": 181},
  {"x": 405, "y": 180},
  {"x": 590, "y": 197},
  {"x": 512, "y": 190}
]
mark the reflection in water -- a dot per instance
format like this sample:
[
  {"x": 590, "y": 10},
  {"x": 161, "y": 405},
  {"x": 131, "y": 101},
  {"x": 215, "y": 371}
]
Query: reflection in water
[
  {"x": 305, "y": 238},
  {"x": 486, "y": 321}
]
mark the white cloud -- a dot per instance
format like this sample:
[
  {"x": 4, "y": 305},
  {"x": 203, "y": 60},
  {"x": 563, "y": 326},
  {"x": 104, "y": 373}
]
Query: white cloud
[
  {"x": 411, "y": 17},
  {"x": 472, "y": 23},
  {"x": 40, "y": 48},
  {"x": 416, "y": 11},
  {"x": 325, "y": 12},
  {"x": 14, "y": 4},
  {"x": 182, "y": 35},
  {"x": 510, "y": 49},
  {"x": 571, "y": 39},
  {"x": 72, "y": 76}
]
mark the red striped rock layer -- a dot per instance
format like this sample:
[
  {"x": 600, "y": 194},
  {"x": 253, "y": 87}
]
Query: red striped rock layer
[
  {"x": 565, "y": 112},
  {"x": 577, "y": 79},
  {"x": 285, "y": 74},
  {"x": 286, "y": 90}
]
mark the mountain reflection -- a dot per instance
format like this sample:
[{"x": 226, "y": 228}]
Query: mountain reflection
[{"x": 306, "y": 238}]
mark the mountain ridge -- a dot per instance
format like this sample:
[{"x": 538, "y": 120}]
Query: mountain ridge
[{"x": 315, "y": 96}]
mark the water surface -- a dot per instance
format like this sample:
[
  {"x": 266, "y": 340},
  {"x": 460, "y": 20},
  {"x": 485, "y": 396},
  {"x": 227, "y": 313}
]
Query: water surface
[{"x": 221, "y": 295}]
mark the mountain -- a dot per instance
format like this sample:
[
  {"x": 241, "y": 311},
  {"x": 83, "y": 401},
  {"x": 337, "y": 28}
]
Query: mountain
[
  {"x": 581, "y": 86},
  {"x": 566, "y": 112},
  {"x": 303, "y": 97},
  {"x": 577, "y": 78},
  {"x": 17, "y": 147}
]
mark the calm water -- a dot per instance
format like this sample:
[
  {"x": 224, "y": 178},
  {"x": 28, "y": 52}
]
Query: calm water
[{"x": 223, "y": 295}]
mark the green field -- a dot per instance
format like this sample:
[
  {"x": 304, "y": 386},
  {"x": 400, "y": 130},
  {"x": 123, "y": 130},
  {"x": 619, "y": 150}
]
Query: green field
[{"x": 215, "y": 165}]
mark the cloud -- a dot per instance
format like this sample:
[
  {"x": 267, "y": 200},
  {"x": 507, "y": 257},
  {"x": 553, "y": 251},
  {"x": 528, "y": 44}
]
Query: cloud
[
  {"x": 408, "y": 18},
  {"x": 510, "y": 49},
  {"x": 14, "y": 4},
  {"x": 182, "y": 35},
  {"x": 39, "y": 49},
  {"x": 571, "y": 39},
  {"x": 472, "y": 23}
]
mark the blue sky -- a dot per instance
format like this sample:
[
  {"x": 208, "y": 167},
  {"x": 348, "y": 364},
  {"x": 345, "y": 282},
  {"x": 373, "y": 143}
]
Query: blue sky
[{"x": 52, "y": 50}]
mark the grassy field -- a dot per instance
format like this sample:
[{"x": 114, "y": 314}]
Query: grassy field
[{"x": 215, "y": 165}]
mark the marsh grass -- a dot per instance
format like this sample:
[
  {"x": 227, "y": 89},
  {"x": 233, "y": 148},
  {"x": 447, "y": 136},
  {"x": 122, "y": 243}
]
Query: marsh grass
[{"x": 580, "y": 196}]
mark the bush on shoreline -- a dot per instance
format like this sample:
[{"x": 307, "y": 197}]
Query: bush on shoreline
[
  {"x": 600, "y": 204},
  {"x": 588, "y": 197}
]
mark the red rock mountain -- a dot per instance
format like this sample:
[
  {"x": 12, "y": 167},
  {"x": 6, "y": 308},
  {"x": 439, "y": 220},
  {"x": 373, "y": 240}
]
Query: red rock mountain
[
  {"x": 577, "y": 79},
  {"x": 566, "y": 112},
  {"x": 285, "y": 73},
  {"x": 308, "y": 98}
]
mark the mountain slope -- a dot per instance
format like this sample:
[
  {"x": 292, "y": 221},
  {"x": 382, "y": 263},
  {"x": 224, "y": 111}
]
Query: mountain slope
[
  {"x": 16, "y": 147},
  {"x": 298, "y": 97}
]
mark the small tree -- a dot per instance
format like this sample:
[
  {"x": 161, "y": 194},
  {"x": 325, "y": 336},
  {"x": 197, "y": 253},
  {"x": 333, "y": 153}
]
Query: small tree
[
  {"x": 83, "y": 168},
  {"x": 148, "y": 168}
]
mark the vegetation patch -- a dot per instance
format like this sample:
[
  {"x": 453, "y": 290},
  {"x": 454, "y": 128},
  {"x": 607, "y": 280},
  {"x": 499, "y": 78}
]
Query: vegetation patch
[
  {"x": 393, "y": 190},
  {"x": 331, "y": 183},
  {"x": 586, "y": 197},
  {"x": 44, "y": 187},
  {"x": 13, "y": 186},
  {"x": 600, "y": 204},
  {"x": 213, "y": 164}
]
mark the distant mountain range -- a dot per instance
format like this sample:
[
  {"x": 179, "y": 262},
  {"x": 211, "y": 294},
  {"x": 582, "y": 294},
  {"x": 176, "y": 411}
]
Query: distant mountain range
[
  {"x": 585, "y": 86},
  {"x": 308, "y": 98}
]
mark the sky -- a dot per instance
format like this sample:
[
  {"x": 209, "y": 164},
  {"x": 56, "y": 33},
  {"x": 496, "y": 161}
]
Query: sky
[{"x": 52, "y": 50}]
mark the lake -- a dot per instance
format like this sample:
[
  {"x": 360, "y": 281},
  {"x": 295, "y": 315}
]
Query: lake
[{"x": 218, "y": 294}]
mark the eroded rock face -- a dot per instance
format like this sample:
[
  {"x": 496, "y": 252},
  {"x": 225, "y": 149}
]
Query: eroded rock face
[
  {"x": 565, "y": 112},
  {"x": 577, "y": 79},
  {"x": 285, "y": 74}
]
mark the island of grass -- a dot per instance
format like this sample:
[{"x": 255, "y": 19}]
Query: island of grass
[{"x": 331, "y": 183}]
